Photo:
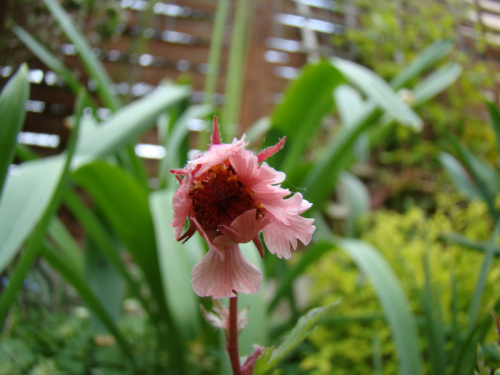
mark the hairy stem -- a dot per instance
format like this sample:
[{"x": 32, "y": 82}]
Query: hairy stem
[{"x": 232, "y": 336}]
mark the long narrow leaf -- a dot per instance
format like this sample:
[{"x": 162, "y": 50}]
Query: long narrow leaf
[
  {"x": 459, "y": 176},
  {"x": 48, "y": 58},
  {"x": 428, "y": 57},
  {"x": 393, "y": 301},
  {"x": 306, "y": 101},
  {"x": 436, "y": 82},
  {"x": 94, "y": 67},
  {"x": 494, "y": 121},
  {"x": 270, "y": 358},
  {"x": 128, "y": 123},
  {"x": 379, "y": 92},
  {"x": 35, "y": 240},
  {"x": 176, "y": 261},
  {"x": 12, "y": 112}
]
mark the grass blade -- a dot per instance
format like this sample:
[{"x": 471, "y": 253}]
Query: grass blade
[{"x": 13, "y": 99}]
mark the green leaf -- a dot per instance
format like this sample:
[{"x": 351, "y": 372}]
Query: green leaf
[
  {"x": 356, "y": 197},
  {"x": 105, "y": 282},
  {"x": 94, "y": 68},
  {"x": 128, "y": 123},
  {"x": 124, "y": 204},
  {"x": 349, "y": 103},
  {"x": 379, "y": 92},
  {"x": 13, "y": 99},
  {"x": 320, "y": 181},
  {"x": 48, "y": 58},
  {"x": 459, "y": 176},
  {"x": 494, "y": 121},
  {"x": 176, "y": 261},
  {"x": 35, "y": 240},
  {"x": 428, "y": 57},
  {"x": 66, "y": 244},
  {"x": 393, "y": 300},
  {"x": 26, "y": 196},
  {"x": 306, "y": 101},
  {"x": 436, "y": 82},
  {"x": 271, "y": 356}
]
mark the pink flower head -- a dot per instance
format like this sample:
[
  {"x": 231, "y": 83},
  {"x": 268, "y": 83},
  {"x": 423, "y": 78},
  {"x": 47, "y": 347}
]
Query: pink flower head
[{"x": 230, "y": 196}]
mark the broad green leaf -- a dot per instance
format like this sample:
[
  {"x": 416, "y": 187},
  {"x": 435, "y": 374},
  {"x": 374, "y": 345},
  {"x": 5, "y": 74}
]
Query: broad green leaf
[
  {"x": 306, "y": 101},
  {"x": 12, "y": 112},
  {"x": 35, "y": 240},
  {"x": 48, "y": 58},
  {"x": 459, "y": 176},
  {"x": 349, "y": 103},
  {"x": 428, "y": 57},
  {"x": 393, "y": 300},
  {"x": 94, "y": 68},
  {"x": 124, "y": 204},
  {"x": 494, "y": 121},
  {"x": 25, "y": 198},
  {"x": 128, "y": 123},
  {"x": 355, "y": 195},
  {"x": 66, "y": 244},
  {"x": 176, "y": 261},
  {"x": 105, "y": 281},
  {"x": 436, "y": 82},
  {"x": 378, "y": 91},
  {"x": 271, "y": 356}
]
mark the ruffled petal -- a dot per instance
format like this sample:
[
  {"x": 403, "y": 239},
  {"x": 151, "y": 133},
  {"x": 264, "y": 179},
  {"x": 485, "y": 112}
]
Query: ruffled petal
[
  {"x": 218, "y": 276},
  {"x": 216, "y": 154},
  {"x": 243, "y": 229},
  {"x": 279, "y": 236}
]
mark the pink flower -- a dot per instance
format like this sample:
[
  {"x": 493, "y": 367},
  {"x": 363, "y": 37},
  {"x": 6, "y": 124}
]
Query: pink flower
[{"x": 230, "y": 196}]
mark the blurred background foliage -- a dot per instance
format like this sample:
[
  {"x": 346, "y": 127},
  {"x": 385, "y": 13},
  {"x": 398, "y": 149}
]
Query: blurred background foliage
[{"x": 398, "y": 152}]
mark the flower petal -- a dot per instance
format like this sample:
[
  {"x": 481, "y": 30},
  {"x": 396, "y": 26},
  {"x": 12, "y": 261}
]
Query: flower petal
[
  {"x": 216, "y": 154},
  {"x": 279, "y": 236},
  {"x": 243, "y": 229},
  {"x": 218, "y": 276}
]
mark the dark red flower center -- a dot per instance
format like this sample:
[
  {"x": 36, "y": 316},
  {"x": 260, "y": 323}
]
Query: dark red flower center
[{"x": 219, "y": 197}]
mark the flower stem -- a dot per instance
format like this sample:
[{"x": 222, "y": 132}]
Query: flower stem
[{"x": 232, "y": 336}]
